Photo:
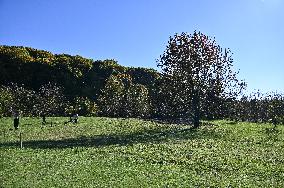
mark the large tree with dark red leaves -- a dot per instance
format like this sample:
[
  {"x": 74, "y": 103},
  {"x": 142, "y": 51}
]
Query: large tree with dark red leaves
[{"x": 195, "y": 67}]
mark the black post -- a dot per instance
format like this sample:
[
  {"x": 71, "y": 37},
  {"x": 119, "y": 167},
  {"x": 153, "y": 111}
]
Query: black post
[
  {"x": 43, "y": 119},
  {"x": 21, "y": 140}
]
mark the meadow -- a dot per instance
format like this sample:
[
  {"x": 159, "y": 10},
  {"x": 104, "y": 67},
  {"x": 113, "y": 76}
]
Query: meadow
[{"x": 117, "y": 152}]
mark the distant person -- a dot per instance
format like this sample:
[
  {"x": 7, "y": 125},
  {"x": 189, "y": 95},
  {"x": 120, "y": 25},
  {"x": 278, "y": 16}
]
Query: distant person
[
  {"x": 75, "y": 118},
  {"x": 72, "y": 119}
]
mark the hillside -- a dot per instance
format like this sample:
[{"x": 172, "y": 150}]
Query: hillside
[
  {"x": 110, "y": 152},
  {"x": 78, "y": 76}
]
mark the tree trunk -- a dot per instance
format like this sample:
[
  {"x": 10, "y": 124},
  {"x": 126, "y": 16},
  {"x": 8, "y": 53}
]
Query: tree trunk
[{"x": 196, "y": 110}]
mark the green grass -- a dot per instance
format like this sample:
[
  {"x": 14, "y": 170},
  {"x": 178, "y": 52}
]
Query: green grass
[{"x": 105, "y": 152}]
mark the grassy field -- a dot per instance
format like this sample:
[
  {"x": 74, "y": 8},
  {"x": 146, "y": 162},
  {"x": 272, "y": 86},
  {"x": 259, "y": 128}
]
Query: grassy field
[{"x": 105, "y": 152}]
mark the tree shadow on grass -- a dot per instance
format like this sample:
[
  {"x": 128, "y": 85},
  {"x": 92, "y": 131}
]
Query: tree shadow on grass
[{"x": 145, "y": 136}]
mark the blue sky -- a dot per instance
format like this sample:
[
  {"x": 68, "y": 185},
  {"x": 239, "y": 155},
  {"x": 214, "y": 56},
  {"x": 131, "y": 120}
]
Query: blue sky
[{"x": 135, "y": 32}]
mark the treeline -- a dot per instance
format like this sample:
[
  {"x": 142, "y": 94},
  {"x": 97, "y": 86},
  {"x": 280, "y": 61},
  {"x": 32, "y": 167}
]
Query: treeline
[
  {"x": 26, "y": 71},
  {"x": 78, "y": 76},
  {"x": 49, "y": 100},
  {"x": 258, "y": 107},
  {"x": 36, "y": 82}
]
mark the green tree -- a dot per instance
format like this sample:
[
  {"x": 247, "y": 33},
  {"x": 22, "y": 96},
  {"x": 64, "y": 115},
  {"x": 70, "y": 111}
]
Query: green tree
[
  {"x": 16, "y": 98},
  {"x": 121, "y": 98},
  {"x": 83, "y": 106},
  {"x": 193, "y": 65},
  {"x": 6, "y": 98},
  {"x": 276, "y": 108},
  {"x": 111, "y": 97},
  {"x": 50, "y": 101},
  {"x": 138, "y": 102}
]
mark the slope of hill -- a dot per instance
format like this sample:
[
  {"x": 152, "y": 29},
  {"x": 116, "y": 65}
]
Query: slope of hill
[{"x": 78, "y": 76}]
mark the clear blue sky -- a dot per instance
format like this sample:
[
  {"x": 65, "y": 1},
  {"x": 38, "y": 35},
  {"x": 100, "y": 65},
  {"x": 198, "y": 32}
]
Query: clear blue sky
[{"x": 135, "y": 32}]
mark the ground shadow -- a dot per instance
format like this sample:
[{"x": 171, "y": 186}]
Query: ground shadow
[
  {"x": 232, "y": 122},
  {"x": 179, "y": 121},
  {"x": 272, "y": 134},
  {"x": 145, "y": 136}
]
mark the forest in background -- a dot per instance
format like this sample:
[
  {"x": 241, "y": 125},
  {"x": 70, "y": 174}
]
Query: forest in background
[{"x": 35, "y": 81}]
